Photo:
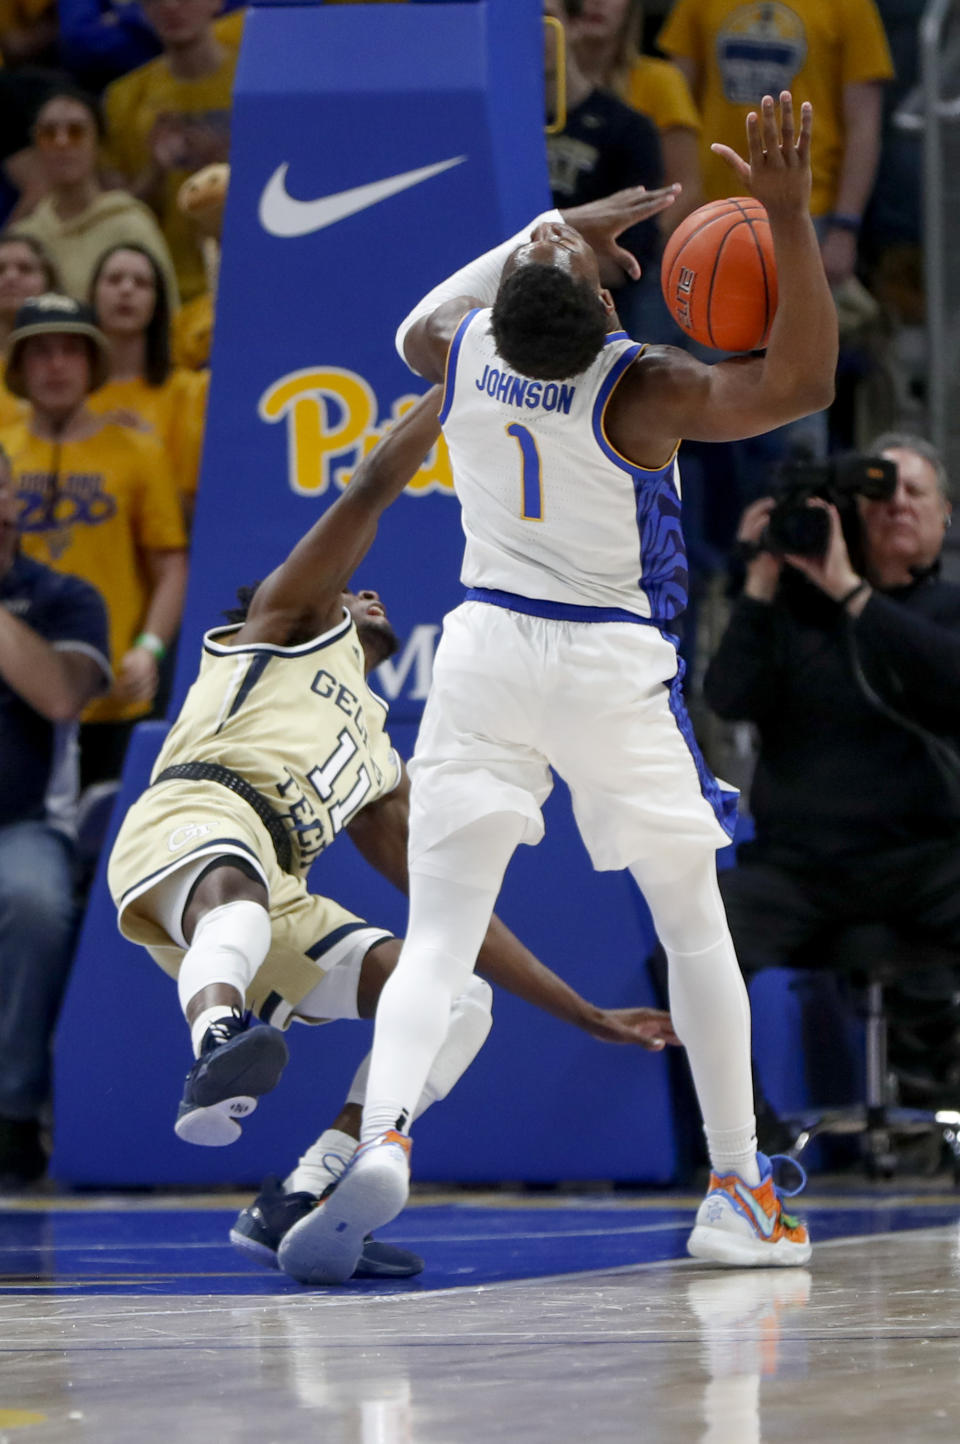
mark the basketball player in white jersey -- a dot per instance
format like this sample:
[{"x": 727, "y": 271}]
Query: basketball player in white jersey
[
  {"x": 563, "y": 436},
  {"x": 280, "y": 746}
]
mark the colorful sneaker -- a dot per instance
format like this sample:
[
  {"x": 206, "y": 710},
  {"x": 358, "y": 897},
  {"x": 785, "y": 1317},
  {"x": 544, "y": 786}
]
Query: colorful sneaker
[
  {"x": 238, "y": 1063},
  {"x": 744, "y": 1226},
  {"x": 326, "y": 1246},
  {"x": 261, "y": 1226}
]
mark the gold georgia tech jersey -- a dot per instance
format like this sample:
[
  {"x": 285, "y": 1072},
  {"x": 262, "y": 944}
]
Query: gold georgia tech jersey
[{"x": 298, "y": 723}]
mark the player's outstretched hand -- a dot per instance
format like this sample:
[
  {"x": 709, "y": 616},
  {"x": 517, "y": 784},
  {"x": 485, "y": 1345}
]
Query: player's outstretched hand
[
  {"x": 777, "y": 168},
  {"x": 650, "y": 1027},
  {"x": 601, "y": 222}
]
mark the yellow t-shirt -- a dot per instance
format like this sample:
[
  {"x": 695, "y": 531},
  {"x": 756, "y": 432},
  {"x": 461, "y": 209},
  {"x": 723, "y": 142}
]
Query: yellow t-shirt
[
  {"x": 660, "y": 90},
  {"x": 14, "y": 13},
  {"x": 192, "y": 333},
  {"x": 11, "y": 407},
  {"x": 188, "y": 119},
  {"x": 173, "y": 413},
  {"x": 744, "y": 51},
  {"x": 113, "y": 498}
]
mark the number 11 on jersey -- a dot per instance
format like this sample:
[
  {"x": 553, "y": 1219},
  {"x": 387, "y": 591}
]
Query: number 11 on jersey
[{"x": 531, "y": 472}]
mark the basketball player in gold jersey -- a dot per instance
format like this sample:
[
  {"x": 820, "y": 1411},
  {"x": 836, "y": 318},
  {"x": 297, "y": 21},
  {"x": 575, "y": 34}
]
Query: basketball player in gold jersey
[{"x": 280, "y": 746}]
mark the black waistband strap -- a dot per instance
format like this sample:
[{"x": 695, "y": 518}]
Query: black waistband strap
[{"x": 213, "y": 772}]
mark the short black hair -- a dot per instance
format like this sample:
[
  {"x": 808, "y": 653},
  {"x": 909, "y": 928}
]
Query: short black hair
[
  {"x": 546, "y": 323},
  {"x": 245, "y": 595}
]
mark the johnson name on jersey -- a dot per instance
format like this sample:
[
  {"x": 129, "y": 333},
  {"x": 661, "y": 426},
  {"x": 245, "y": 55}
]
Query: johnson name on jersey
[{"x": 552, "y": 513}]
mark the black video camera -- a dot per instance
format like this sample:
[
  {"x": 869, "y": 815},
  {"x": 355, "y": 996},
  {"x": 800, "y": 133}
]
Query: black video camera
[{"x": 796, "y": 529}]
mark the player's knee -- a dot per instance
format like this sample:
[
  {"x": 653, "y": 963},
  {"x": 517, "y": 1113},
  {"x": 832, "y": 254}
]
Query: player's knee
[
  {"x": 229, "y": 944},
  {"x": 471, "y": 1019},
  {"x": 476, "y": 1001}
]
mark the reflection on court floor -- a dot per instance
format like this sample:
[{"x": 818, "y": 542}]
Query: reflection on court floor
[{"x": 545, "y": 1318}]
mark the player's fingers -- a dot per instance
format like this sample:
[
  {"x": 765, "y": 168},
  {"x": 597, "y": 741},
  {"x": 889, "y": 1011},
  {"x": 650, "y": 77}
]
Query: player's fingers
[
  {"x": 626, "y": 261},
  {"x": 768, "y": 128},
  {"x": 754, "y": 140},
  {"x": 735, "y": 161},
  {"x": 651, "y": 202},
  {"x": 806, "y": 131},
  {"x": 787, "y": 137}
]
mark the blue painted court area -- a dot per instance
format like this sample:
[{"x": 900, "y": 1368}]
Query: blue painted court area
[{"x": 83, "y": 1247}]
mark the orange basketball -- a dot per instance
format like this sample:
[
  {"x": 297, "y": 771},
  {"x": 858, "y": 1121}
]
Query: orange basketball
[{"x": 718, "y": 275}]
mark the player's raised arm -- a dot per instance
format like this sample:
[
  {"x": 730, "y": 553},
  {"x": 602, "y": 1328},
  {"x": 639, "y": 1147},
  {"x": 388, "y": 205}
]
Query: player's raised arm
[
  {"x": 305, "y": 590},
  {"x": 424, "y": 335},
  {"x": 670, "y": 395}
]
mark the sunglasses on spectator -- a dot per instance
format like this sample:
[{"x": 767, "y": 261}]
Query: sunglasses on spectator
[{"x": 50, "y": 132}]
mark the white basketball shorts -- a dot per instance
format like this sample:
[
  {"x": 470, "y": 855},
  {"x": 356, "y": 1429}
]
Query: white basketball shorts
[{"x": 514, "y": 696}]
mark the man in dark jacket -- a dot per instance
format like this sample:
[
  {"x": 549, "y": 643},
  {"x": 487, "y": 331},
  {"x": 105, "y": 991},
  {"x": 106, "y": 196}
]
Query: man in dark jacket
[
  {"x": 850, "y": 675},
  {"x": 851, "y": 678}
]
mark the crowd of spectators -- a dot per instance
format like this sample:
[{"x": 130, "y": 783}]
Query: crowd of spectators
[{"x": 114, "y": 143}]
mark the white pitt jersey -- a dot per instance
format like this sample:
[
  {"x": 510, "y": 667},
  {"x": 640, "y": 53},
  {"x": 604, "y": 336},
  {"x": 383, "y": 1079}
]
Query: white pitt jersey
[{"x": 553, "y": 514}]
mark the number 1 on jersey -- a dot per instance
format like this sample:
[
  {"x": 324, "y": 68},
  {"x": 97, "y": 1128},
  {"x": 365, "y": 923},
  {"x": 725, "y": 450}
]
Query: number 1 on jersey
[{"x": 531, "y": 472}]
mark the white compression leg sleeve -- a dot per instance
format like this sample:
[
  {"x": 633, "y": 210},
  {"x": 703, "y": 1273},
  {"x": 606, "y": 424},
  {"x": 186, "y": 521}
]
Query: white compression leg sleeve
[
  {"x": 229, "y": 944},
  {"x": 471, "y": 1019},
  {"x": 448, "y": 921},
  {"x": 479, "y": 278},
  {"x": 710, "y": 1009}
]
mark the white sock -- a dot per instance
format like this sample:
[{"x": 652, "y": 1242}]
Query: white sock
[
  {"x": 229, "y": 944},
  {"x": 734, "y": 1152},
  {"x": 202, "y": 1023},
  {"x": 322, "y": 1164},
  {"x": 710, "y": 1011}
]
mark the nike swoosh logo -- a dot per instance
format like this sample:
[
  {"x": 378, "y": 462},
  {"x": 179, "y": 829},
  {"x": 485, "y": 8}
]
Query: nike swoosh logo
[
  {"x": 282, "y": 215},
  {"x": 764, "y": 1222}
]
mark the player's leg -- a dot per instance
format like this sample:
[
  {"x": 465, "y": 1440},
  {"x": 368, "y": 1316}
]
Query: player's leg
[
  {"x": 219, "y": 909},
  {"x": 741, "y": 1221},
  {"x": 193, "y": 875},
  {"x": 469, "y": 1024},
  {"x": 447, "y": 923},
  {"x": 644, "y": 798},
  {"x": 453, "y": 890},
  {"x": 260, "y": 1228}
]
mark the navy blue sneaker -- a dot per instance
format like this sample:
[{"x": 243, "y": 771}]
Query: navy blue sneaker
[
  {"x": 260, "y": 1227},
  {"x": 238, "y": 1063}
]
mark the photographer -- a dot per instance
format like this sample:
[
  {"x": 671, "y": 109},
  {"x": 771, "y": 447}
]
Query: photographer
[{"x": 849, "y": 670}]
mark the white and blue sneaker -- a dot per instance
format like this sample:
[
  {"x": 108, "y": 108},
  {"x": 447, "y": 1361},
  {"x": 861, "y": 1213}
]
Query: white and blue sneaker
[
  {"x": 326, "y": 1246},
  {"x": 260, "y": 1228},
  {"x": 238, "y": 1063}
]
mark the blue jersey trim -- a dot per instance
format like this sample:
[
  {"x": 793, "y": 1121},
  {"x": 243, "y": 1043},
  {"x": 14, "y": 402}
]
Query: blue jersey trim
[
  {"x": 255, "y": 671},
  {"x": 450, "y": 369},
  {"x": 553, "y": 611},
  {"x": 600, "y": 405},
  {"x": 723, "y": 800}
]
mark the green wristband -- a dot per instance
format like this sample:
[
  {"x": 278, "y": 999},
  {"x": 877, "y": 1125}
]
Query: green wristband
[{"x": 153, "y": 644}]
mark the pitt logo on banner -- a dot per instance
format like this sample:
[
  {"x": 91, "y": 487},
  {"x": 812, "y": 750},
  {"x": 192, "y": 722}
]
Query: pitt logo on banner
[{"x": 331, "y": 417}]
